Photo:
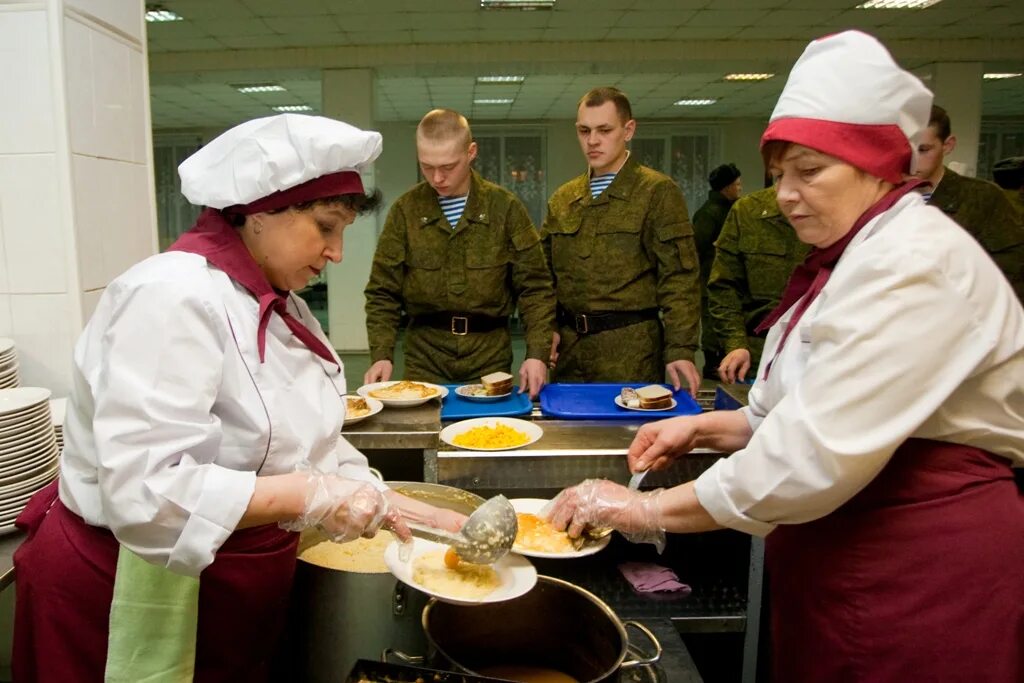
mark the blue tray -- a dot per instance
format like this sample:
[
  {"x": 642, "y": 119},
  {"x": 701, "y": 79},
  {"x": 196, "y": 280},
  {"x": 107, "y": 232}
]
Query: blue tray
[
  {"x": 457, "y": 408},
  {"x": 597, "y": 402}
]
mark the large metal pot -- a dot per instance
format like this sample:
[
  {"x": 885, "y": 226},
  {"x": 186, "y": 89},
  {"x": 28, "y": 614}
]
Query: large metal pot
[
  {"x": 338, "y": 617},
  {"x": 557, "y": 625}
]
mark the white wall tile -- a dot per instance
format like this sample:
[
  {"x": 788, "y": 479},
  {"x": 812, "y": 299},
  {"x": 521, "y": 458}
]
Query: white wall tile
[
  {"x": 124, "y": 15},
  {"x": 6, "y": 326},
  {"x": 45, "y": 329},
  {"x": 26, "y": 107},
  {"x": 32, "y": 223},
  {"x": 90, "y": 299},
  {"x": 104, "y": 93}
]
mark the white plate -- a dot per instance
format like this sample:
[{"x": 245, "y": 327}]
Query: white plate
[
  {"x": 532, "y": 431},
  {"x": 619, "y": 403},
  {"x": 516, "y": 575},
  {"x": 375, "y": 407},
  {"x": 464, "y": 390},
  {"x": 365, "y": 390},
  {"x": 534, "y": 506},
  {"x": 13, "y": 400},
  {"x": 58, "y": 409}
]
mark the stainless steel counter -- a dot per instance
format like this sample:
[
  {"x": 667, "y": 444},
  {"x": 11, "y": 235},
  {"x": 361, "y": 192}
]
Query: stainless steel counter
[{"x": 398, "y": 429}]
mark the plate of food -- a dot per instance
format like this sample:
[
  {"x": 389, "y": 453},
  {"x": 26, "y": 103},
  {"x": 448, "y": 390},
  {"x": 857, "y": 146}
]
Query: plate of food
[
  {"x": 492, "y": 387},
  {"x": 358, "y": 408},
  {"x": 402, "y": 393},
  {"x": 491, "y": 434},
  {"x": 652, "y": 398},
  {"x": 537, "y": 538},
  {"x": 434, "y": 569}
]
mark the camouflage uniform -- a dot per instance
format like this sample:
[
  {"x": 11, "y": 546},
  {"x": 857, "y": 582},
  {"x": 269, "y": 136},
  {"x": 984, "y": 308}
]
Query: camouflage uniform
[
  {"x": 630, "y": 249},
  {"x": 1016, "y": 199},
  {"x": 490, "y": 260},
  {"x": 982, "y": 209},
  {"x": 707, "y": 224},
  {"x": 754, "y": 256}
]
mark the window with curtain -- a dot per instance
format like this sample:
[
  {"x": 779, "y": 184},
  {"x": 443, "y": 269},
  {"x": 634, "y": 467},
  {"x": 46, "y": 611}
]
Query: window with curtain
[
  {"x": 998, "y": 140},
  {"x": 685, "y": 153},
  {"x": 173, "y": 212},
  {"x": 516, "y": 161}
]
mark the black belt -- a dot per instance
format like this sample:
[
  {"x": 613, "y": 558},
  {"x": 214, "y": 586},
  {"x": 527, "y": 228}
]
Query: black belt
[
  {"x": 592, "y": 323},
  {"x": 459, "y": 324}
]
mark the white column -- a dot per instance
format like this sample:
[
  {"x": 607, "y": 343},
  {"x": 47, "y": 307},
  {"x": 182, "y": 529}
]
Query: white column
[
  {"x": 348, "y": 96},
  {"x": 76, "y": 190},
  {"x": 957, "y": 88}
]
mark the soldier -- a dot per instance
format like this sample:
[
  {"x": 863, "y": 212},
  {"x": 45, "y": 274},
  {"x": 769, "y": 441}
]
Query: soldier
[
  {"x": 978, "y": 206},
  {"x": 754, "y": 256},
  {"x": 726, "y": 187},
  {"x": 1009, "y": 175},
  {"x": 621, "y": 249},
  {"x": 457, "y": 254}
]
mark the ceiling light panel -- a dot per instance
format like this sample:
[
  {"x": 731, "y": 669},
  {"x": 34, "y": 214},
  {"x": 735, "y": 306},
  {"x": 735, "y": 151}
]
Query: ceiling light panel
[
  {"x": 499, "y": 79},
  {"x": 517, "y": 4},
  {"x": 748, "y": 77},
  {"x": 897, "y": 4},
  {"x": 293, "y": 107},
  {"x": 695, "y": 102},
  {"x": 259, "y": 87},
  {"x": 162, "y": 15},
  {"x": 493, "y": 100},
  {"x": 1000, "y": 76}
]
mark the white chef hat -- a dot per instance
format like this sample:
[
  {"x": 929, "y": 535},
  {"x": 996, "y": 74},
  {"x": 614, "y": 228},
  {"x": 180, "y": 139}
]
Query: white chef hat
[
  {"x": 848, "y": 98},
  {"x": 276, "y": 161}
]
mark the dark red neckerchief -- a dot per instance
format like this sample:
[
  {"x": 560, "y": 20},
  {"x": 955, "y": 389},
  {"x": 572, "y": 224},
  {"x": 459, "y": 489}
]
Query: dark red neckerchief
[
  {"x": 221, "y": 245},
  {"x": 810, "y": 277}
]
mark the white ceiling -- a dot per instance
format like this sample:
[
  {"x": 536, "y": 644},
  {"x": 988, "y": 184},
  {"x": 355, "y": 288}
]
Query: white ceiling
[{"x": 426, "y": 53}]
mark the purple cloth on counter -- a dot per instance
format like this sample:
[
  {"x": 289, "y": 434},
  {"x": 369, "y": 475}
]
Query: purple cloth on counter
[{"x": 646, "y": 577}]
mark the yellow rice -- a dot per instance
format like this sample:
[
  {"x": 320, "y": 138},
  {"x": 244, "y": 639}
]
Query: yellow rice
[{"x": 497, "y": 437}]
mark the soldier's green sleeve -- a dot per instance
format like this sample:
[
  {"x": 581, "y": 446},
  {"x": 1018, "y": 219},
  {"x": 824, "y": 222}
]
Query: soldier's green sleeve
[
  {"x": 384, "y": 290},
  {"x": 531, "y": 281},
  {"x": 1007, "y": 250},
  {"x": 704, "y": 237},
  {"x": 678, "y": 273},
  {"x": 727, "y": 282},
  {"x": 545, "y": 241}
]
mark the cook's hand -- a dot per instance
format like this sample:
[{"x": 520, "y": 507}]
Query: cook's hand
[
  {"x": 602, "y": 503},
  {"x": 532, "y": 376},
  {"x": 656, "y": 444},
  {"x": 735, "y": 366},
  {"x": 678, "y": 370},
  {"x": 345, "y": 509},
  {"x": 379, "y": 372},
  {"x": 417, "y": 511},
  {"x": 556, "y": 339}
]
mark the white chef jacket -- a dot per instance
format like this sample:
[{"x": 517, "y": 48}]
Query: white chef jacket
[
  {"x": 916, "y": 334},
  {"x": 173, "y": 416}
]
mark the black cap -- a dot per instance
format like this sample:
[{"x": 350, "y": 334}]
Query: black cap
[
  {"x": 1009, "y": 173},
  {"x": 723, "y": 176}
]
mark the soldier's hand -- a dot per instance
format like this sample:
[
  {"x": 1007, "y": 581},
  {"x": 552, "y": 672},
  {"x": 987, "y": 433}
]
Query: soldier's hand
[
  {"x": 556, "y": 339},
  {"x": 677, "y": 370},
  {"x": 532, "y": 376},
  {"x": 735, "y": 366},
  {"x": 378, "y": 372}
]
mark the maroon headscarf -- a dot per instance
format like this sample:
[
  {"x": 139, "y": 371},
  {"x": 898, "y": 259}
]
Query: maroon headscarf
[
  {"x": 809, "y": 278},
  {"x": 213, "y": 238}
]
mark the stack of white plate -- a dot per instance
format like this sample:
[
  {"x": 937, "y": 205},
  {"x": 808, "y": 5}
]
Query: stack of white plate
[
  {"x": 8, "y": 364},
  {"x": 28, "y": 449},
  {"x": 58, "y": 406}
]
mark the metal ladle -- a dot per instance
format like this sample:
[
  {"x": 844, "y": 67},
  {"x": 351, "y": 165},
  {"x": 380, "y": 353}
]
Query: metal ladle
[{"x": 485, "y": 538}]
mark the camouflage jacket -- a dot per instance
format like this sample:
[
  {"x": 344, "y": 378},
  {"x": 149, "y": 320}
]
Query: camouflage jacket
[
  {"x": 629, "y": 249},
  {"x": 982, "y": 209},
  {"x": 707, "y": 224},
  {"x": 1017, "y": 199},
  {"x": 490, "y": 263},
  {"x": 754, "y": 256}
]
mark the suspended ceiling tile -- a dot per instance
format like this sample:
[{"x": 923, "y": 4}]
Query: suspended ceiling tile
[
  {"x": 730, "y": 18},
  {"x": 654, "y": 19},
  {"x": 663, "y": 33},
  {"x": 302, "y": 26},
  {"x": 380, "y": 37}
]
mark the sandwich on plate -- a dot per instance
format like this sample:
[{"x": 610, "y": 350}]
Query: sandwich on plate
[
  {"x": 497, "y": 383},
  {"x": 654, "y": 397}
]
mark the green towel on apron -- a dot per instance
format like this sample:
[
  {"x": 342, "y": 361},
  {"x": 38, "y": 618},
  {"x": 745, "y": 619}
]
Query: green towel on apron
[{"x": 153, "y": 620}]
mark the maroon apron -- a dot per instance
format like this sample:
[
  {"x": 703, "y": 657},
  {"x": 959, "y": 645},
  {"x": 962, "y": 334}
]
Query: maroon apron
[
  {"x": 919, "y": 577},
  {"x": 65, "y": 583}
]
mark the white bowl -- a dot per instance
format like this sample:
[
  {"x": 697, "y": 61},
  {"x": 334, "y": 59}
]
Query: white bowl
[
  {"x": 448, "y": 434},
  {"x": 365, "y": 390}
]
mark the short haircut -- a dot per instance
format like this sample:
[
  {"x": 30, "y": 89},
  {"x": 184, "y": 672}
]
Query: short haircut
[
  {"x": 598, "y": 96},
  {"x": 441, "y": 125},
  {"x": 939, "y": 120}
]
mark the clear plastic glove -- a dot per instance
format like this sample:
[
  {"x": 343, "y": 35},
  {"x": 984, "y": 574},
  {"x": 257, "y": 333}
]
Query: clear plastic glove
[
  {"x": 601, "y": 503},
  {"x": 345, "y": 509}
]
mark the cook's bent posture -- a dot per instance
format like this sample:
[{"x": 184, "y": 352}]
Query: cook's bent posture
[
  {"x": 206, "y": 411},
  {"x": 876, "y": 450}
]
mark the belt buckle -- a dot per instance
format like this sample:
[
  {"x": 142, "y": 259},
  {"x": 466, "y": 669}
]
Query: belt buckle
[
  {"x": 455, "y": 325},
  {"x": 585, "y": 327}
]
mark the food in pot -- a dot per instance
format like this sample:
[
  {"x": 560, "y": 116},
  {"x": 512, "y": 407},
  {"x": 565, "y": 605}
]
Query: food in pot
[
  {"x": 491, "y": 437},
  {"x": 404, "y": 390},
  {"x": 537, "y": 534},
  {"x": 466, "y": 581},
  {"x": 363, "y": 555},
  {"x": 356, "y": 407},
  {"x": 526, "y": 674}
]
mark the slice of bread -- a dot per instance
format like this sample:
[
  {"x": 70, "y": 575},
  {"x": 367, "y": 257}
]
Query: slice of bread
[
  {"x": 497, "y": 383},
  {"x": 654, "y": 397}
]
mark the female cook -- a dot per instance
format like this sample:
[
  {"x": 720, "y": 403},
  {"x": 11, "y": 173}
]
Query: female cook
[
  {"x": 206, "y": 411},
  {"x": 876, "y": 450}
]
